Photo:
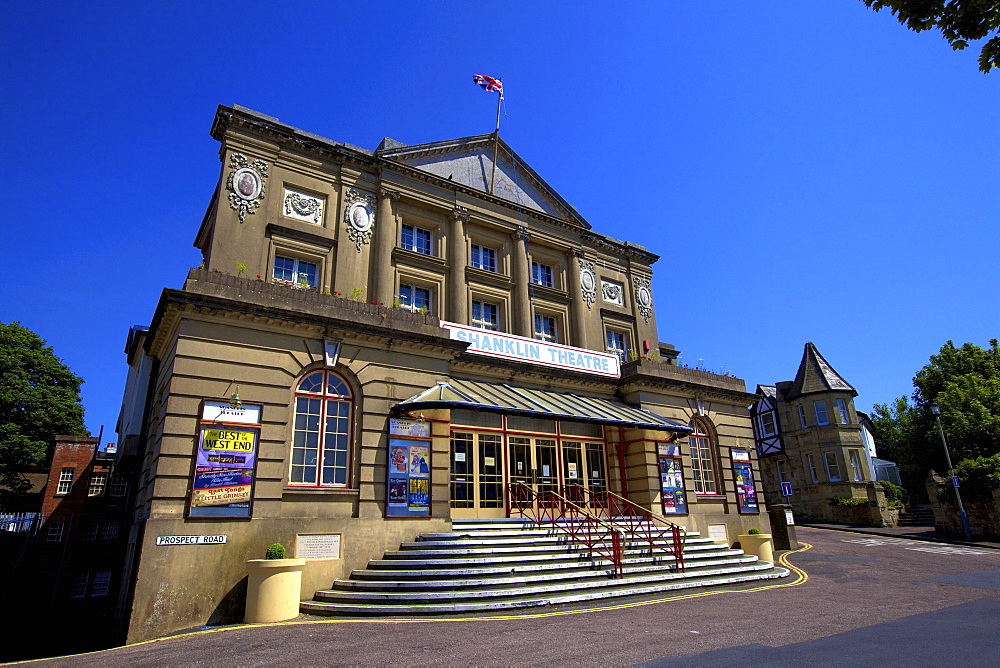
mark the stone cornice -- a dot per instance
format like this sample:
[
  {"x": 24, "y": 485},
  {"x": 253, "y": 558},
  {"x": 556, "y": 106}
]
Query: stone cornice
[
  {"x": 647, "y": 373},
  {"x": 213, "y": 293}
]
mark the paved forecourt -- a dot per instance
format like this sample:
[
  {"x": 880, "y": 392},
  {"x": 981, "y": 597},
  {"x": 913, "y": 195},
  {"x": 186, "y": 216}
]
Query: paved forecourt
[{"x": 861, "y": 599}]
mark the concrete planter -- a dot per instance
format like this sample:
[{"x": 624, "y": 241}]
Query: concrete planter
[
  {"x": 274, "y": 589},
  {"x": 757, "y": 544}
]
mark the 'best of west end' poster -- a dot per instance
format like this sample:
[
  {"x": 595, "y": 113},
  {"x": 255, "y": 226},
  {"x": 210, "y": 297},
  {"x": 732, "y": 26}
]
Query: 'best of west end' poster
[{"x": 224, "y": 471}]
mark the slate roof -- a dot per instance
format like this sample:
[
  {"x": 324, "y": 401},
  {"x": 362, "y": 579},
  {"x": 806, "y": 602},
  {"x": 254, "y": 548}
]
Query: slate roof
[{"x": 816, "y": 375}]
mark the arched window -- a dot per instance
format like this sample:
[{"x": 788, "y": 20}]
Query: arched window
[
  {"x": 702, "y": 458},
  {"x": 321, "y": 435}
]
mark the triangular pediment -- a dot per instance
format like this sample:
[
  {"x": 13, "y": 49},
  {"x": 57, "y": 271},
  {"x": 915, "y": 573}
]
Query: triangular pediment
[{"x": 469, "y": 161}]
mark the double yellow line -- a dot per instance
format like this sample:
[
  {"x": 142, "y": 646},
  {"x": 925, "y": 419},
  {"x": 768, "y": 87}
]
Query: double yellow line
[{"x": 800, "y": 578}]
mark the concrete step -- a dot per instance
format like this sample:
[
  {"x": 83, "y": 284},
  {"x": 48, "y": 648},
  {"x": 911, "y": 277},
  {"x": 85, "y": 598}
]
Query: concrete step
[
  {"x": 418, "y": 580},
  {"x": 615, "y": 589}
]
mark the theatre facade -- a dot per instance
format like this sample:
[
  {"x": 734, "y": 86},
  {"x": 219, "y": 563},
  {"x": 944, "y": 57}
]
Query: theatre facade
[{"x": 381, "y": 341}]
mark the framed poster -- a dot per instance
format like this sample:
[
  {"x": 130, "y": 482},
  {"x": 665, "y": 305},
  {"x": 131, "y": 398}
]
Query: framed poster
[
  {"x": 409, "y": 477},
  {"x": 673, "y": 498},
  {"x": 746, "y": 492},
  {"x": 225, "y": 461}
]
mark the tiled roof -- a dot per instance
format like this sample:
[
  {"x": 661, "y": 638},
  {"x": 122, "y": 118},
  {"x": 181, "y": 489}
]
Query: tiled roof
[{"x": 816, "y": 375}]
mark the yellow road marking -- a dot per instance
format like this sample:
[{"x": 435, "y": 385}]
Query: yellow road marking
[{"x": 802, "y": 577}]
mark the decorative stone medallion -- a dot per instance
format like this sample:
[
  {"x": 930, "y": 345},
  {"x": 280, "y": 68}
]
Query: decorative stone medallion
[
  {"x": 303, "y": 207},
  {"x": 643, "y": 296},
  {"x": 612, "y": 292},
  {"x": 245, "y": 184},
  {"x": 588, "y": 282},
  {"x": 360, "y": 217}
]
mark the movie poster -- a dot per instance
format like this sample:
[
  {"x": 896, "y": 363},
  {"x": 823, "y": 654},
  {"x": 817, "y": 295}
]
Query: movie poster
[
  {"x": 673, "y": 498},
  {"x": 398, "y": 492},
  {"x": 408, "y": 491},
  {"x": 420, "y": 496},
  {"x": 746, "y": 494}
]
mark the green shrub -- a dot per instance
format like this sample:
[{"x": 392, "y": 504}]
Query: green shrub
[
  {"x": 978, "y": 477},
  {"x": 753, "y": 532},
  {"x": 275, "y": 551},
  {"x": 894, "y": 494},
  {"x": 848, "y": 502}
]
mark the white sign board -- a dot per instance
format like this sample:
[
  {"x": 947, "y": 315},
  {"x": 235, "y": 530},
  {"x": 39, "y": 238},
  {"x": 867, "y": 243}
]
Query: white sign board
[
  {"x": 789, "y": 518},
  {"x": 409, "y": 428},
  {"x": 220, "y": 411},
  {"x": 522, "y": 349},
  {"x": 718, "y": 533},
  {"x": 317, "y": 546},
  {"x": 191, "y": 540}
]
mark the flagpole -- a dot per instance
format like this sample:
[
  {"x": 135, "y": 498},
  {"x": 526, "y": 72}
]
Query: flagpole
[{"x": 496, "y": 141}]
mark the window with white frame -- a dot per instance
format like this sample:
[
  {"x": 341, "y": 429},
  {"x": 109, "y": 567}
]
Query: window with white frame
[
  {"x": 545, "y": 328},
  {"x": 617, "y": 344},
  {"x": 813, "y": 471},
  {"x": 702, "y": 459},
  {"x": 65, "y": 480},
  {"x": 765, "y": 423},
  {"x": 857, "y": 473},
  {"x": 416, "y": 239},
  {"x": 484, "y": 258},
  {"x": 832, "y": 467},
  {"x": 92, "y": 530},
  {"x": 819, "y": 408},
  {"x": 55, "y": 534},
  {"x": 117, "y": 486},
  {"x": 294, "y": 271},
  {"x": 109, "y": 530},
  {"x": 541, "y": 274},
  {"x": 484, "y": 315},
  {"x": 78, "y": 586},
  {"x": 414, "y": 298},
  {"x": 321, "y": 435},
  {"x": 780, "y": 469},
  {"x": 101, "y": 583},
  {"x": 841, "y": 407},
  {"x": 97, "y": 484},
  {"x": 802, "y": 417}
]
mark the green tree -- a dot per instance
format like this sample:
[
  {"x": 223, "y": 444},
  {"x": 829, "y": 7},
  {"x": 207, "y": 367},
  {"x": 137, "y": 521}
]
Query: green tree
[
  {"x": 958, "y": 20},
  {"x": 39, "y": 398},
  {"x": 965, "y": 382}
]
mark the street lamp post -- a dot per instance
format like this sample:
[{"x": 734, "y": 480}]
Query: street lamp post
[{"x": 936, "y": 412}]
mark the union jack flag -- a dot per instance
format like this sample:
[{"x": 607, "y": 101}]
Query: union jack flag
[{"x": 489, "y": 84}]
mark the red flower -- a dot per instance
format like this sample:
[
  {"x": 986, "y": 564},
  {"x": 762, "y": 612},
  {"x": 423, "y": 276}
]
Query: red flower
[
  {"x": 258, "y": 275},
  {"x": 381, "y": 304}
]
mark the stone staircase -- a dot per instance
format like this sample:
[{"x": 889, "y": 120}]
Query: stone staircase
[
  {"x": 917, "y": 516},
  {"x": 509, "y": 564}
]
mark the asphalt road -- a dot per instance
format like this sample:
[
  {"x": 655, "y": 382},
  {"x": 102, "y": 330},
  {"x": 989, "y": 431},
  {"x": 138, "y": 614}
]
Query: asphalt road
[{"x": 862, "y": 601}]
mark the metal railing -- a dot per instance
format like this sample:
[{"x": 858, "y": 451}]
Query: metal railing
[
  {"x": 636, "y": 522},
  {"x": 599, "y": 535}
]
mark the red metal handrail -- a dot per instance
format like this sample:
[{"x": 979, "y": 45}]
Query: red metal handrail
[
  {"x": 636, "y": 522},
  {"x": 596, "y": 533}
]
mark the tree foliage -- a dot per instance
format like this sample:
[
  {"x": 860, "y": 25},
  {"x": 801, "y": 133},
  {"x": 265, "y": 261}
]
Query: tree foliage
[
  {"x": 39, "y": 399},
  {"x": 958, "y": 20},
  {"x": 965, "y": 382}
]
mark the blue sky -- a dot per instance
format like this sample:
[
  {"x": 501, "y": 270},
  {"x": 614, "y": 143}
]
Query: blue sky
[{"x": 808, "y": 170}]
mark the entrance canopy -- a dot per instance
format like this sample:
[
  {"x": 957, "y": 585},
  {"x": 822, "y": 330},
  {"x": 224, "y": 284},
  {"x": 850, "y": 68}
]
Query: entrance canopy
[{"x": 503, "y": 398}]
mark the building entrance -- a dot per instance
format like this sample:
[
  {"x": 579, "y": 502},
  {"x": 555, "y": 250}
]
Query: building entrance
[{"x": 485, "y": 463}]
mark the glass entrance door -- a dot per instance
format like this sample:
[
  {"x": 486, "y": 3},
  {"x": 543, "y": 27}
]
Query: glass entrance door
[
  {"x": 477, "y": 480},
  {"x": 534, "y": 463},
  {"x": 585, "y": 473}
]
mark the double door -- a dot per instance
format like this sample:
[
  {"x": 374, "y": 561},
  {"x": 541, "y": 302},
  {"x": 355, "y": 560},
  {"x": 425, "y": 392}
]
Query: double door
[{"x": 483, "y": 464}]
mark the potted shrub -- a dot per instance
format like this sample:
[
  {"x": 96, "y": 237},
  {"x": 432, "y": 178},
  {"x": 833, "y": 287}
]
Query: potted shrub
[
  {"x": 274, "y": 586},
  {"x": 756, "y": 543}
]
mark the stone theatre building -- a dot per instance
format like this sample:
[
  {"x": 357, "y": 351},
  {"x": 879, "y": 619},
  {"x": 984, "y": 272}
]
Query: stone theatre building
[{"x": 379, "y": 341}]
